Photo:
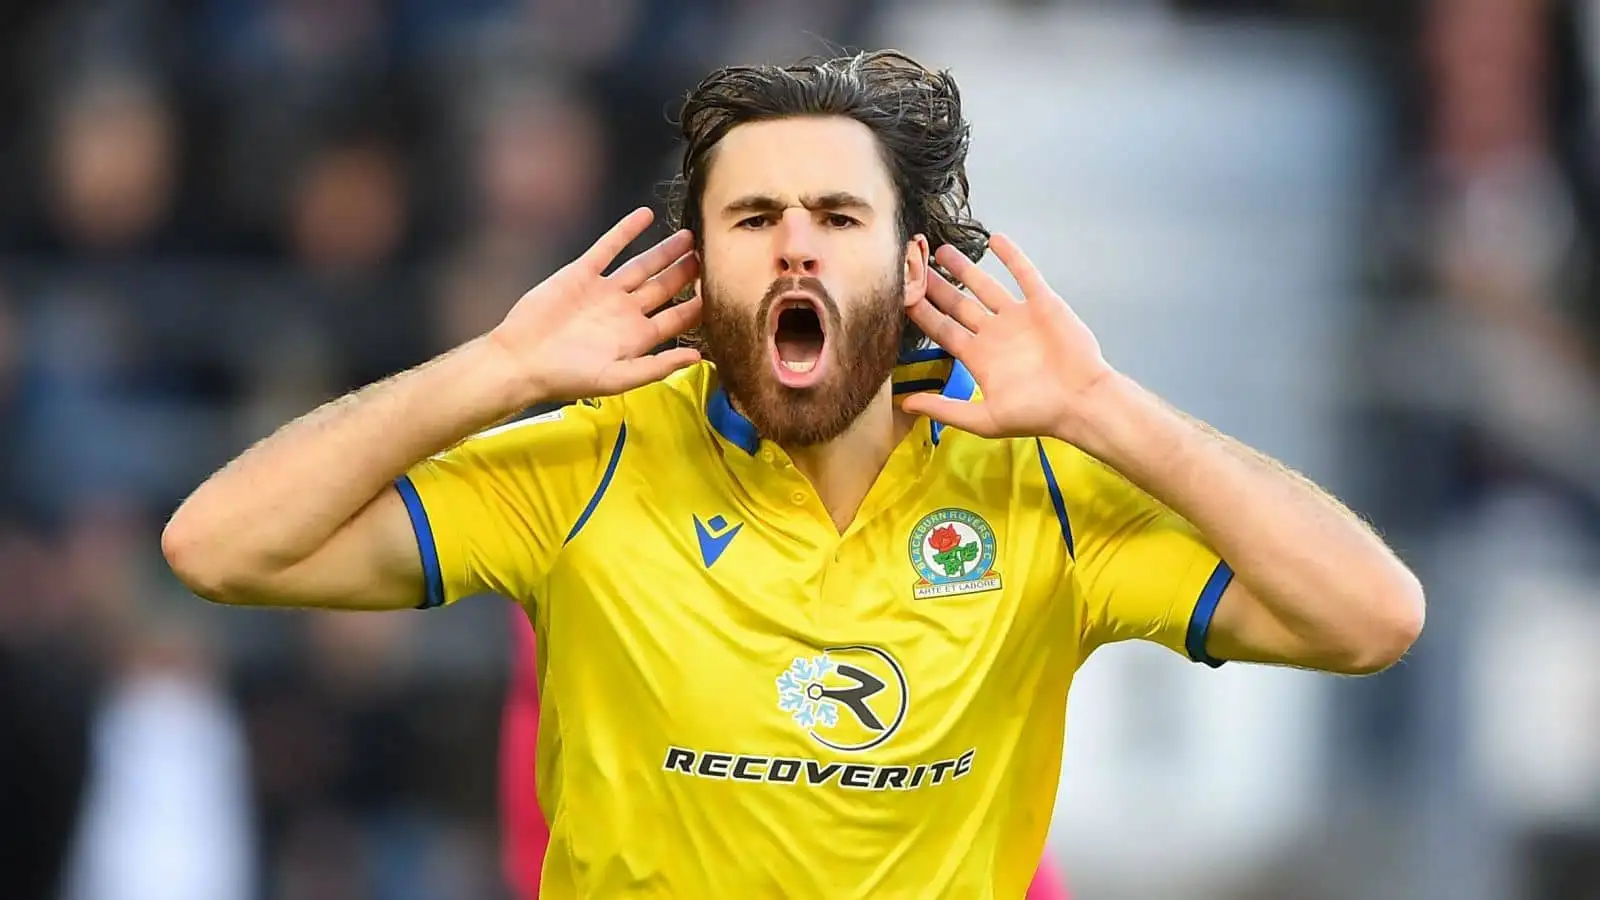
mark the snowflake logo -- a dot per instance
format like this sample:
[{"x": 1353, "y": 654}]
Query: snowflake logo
[{"x": 800, "y": 693}]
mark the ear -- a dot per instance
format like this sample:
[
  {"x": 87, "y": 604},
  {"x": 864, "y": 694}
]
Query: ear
[{"x": 916, "y": 270}]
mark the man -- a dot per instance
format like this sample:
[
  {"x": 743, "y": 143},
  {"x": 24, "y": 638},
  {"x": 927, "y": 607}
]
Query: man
[{"x": 797, "y": 636}]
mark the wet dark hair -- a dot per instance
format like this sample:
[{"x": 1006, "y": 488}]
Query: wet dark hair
[{"x": 914, "y": 112}]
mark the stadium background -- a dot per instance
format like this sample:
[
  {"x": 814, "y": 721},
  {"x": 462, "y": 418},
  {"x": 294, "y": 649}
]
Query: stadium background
[{"x": 1359, "y": 235}]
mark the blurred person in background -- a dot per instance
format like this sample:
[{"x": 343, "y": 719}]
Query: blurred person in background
[
  {"x": 1490, "y": 343},
  {"x": 142, "y": 729},
  {"x": 1483, "y": 411},
  {"x": 827, "y": 204},
  {"x": 114, "y": 169},
  {"x": 47, "y": 689},
  {"x": 349, "y": 227},
  {"x": 167, "y": 812},
  {"x": 539, "y": 165},
  {"x": 48, "y": 672}
]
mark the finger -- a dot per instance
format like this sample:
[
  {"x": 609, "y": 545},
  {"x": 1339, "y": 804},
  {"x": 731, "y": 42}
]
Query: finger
[
  {"x": 603, "y": 251},
  {"x": 667, "y": 283},
  {"x": 969, "y": 416},
  {"x": 1028, "y": 277},
  {"x": 954, "y": 302},
  {"x": 634, "y": 272},
  {"x": 945, "y": 331},
  {"x": 990, "y": 292},
  {"x": 675, "y": 320},
  {"x": 657, "y": 366}
]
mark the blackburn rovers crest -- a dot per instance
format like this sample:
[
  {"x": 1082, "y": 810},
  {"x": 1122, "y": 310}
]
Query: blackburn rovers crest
[{"x": 953, "y": 551}]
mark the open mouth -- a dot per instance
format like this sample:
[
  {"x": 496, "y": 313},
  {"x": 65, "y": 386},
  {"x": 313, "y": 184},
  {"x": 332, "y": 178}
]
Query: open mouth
[{"x": 798, "y": 338}]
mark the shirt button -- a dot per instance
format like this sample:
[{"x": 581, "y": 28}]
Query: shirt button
[
  {"x": 799, "y": 498},
  {"x": 766, "y": 455}
]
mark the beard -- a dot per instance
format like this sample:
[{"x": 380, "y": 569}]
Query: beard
[{"x": 864, "y": 348}]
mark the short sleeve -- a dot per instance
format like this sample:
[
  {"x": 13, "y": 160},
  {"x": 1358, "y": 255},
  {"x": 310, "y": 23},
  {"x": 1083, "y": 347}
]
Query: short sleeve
[
  {"x": 491, "y": 513},
  {"x": 1141, "y": 571}
]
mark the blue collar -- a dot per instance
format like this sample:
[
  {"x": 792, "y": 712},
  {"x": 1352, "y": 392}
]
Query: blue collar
[
  {"x": 958, "y": 385},
  {"x": 728, "y": 423}
]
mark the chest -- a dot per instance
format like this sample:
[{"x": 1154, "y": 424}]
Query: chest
[
  {"x": 947, "y": 559},
  {"x": 714, "y": 608}
]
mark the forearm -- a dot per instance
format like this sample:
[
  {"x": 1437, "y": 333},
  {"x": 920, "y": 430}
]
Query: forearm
[
  {"x": 1318, "y": 569},
  {"x": 284, "y": 498}
]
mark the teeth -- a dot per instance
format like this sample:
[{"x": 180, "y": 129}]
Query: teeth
[{"x": 799, "y": 366}]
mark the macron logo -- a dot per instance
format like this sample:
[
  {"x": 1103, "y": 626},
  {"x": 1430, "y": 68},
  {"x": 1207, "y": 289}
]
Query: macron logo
[{"x": 715, "y": 536}]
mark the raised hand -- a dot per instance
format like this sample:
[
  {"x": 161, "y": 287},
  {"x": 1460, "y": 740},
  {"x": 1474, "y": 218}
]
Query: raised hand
[
  {"x": 1032, "y": 357},
  {"x": 583, "y": 333}
]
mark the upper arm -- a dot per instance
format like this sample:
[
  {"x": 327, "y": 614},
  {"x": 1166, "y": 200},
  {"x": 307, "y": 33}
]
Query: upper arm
[
  {"x": 487, "y": 515},
  {"x": 370, "y": 563},
  {"x": 1141, "y": 571},
  {"x": 1246, "y": 630},
  {"x": 491, "y": 514}
]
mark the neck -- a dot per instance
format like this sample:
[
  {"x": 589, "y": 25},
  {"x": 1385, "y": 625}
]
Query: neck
[{"x": 844, "y": 469}]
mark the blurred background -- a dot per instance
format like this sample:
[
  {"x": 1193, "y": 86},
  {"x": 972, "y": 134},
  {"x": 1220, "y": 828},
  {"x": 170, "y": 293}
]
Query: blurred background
[{"x": 1359, "y": 235}]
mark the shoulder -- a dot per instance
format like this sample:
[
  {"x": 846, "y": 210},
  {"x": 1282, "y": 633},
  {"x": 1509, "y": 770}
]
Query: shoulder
[
  {"x": 1095, "y": 494},
  {"x": 1074, "y": 470},
  {"x": 666, "y": 418},
  {"x": 1042, "y": 474},
  {"x": 1008, "y": 462},
  {"x": 568, "y": 431},
  {"x": 663, "y": 420},
  {"x": 662, "y": 405},
  {"x": 677, "y": 401}
]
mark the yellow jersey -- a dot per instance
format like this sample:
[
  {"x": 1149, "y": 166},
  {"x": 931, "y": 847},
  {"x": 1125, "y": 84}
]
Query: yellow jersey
[{"x": 740, "y": 701}]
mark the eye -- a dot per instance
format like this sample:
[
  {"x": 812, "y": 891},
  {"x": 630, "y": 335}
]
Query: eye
[
  {"x": 840, "y": 220},
  {"x": 754, "y": 222}
]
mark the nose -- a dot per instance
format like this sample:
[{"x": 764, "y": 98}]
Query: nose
[{"x": 796, "y": 244}]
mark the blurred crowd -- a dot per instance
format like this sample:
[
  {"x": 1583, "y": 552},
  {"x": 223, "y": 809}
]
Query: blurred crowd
[
  {"x": 1481, "y": 376},
  {"x": 217, "y": 214},
  {"x": 1485, "y": 255}
]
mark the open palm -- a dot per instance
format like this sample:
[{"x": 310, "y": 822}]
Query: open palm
[
  {"x": 583, "y": 333},
  {"x": 1031, "y": 356}
]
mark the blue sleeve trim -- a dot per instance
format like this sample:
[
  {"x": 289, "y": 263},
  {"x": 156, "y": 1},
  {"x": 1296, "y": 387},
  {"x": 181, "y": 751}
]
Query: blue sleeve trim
[
  {"x": 1056, "y": 499},
  {"x": 432, "y": 575},
  {"x": 1204, "y": 610},
  {"x": 605, "y": 482}
]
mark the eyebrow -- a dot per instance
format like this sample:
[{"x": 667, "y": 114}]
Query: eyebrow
[{"x": 766, "y": 203}]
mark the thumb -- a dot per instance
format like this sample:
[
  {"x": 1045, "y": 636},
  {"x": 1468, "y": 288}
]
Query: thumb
[{"x": 967, "y": 415}]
